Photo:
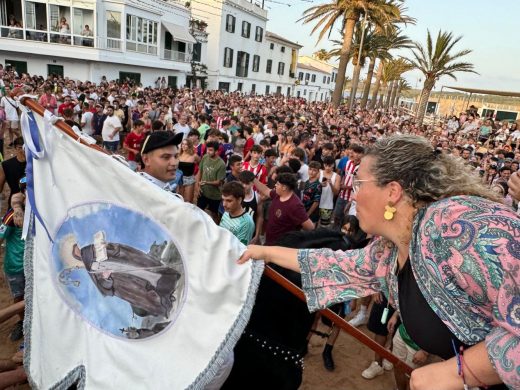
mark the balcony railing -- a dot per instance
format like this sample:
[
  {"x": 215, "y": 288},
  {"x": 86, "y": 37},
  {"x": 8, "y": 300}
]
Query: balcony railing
[
  {"x": 173, "y": 55},
  {"x": 12, "y": 32},
  {"x": 112, "y": 44},
  {"x": 46, "y": 36},
  {"x": 141, "y": 48}
]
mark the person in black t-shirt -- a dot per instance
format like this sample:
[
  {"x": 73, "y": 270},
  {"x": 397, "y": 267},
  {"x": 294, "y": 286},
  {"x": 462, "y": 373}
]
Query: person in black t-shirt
[{"x": 13, "y": 169}]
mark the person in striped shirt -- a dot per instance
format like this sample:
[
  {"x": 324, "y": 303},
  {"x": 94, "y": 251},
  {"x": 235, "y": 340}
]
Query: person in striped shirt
[
  {"x": 348, "y": 173},
  {"x": 259, "y": 170},
  {"x": 236, "y": 219}
]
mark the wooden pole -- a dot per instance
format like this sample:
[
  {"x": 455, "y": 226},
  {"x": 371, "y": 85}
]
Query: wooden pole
[
  {"x": 337, "y": 320},
  {"x": 341, "y": 323}
]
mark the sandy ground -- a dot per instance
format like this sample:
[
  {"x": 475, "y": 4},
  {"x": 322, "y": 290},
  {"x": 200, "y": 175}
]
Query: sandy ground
[{"x": 350, "y": 356}]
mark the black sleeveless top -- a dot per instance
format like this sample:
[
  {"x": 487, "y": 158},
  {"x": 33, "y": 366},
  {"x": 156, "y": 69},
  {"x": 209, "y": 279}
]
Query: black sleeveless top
[
  {"x": 251, "y": 206},
  {"x": 14, "y": 170},
  {"x": 425, "y": 328},
  {"x": 187, "y": 168}
]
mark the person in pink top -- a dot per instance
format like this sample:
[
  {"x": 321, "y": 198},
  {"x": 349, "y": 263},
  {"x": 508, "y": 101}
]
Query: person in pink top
[{"x": 447, "y": 257}]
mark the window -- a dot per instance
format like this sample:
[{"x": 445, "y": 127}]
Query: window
[
  {"x": 141, "y": 35},
  {"x": 324, "y": 79},
  {"x": 253, "y": 88},
  {"x": 271, "y": 46},
  {"x": 223, "y": 86},
  {"x": 278, "y": 90},
  {"x": 135, "y": 77},
  {"x": 281, "y": 68},
  {"x": 259, "y": 34},
  {"x": 83, "y": 24},
  {"x": 321, "y": 98},
  {"x": 328, "y": 80},
  {"x": 269, "y": 66},
  {"x": 304, "y": 92},
  {"x": 228, "y": 57},
  {"x": 35, "y": 16},
  {"x": 55, "y": 70},
  {"x": 282, "y": 49},
  {"x": 297, "y": 94},
  {"x": 172, "y": 82},
  {"x": 242, "y": 63},
  {"x": 267, "y": 89},
  {"x": 230, "y": 23},
  {"x": 300, "y": 76},
  {"x": 19, "y": 66},
  {"x": 197, "y": 49},
  {"x": 307, "y": 76},
  {"x": 113, "y": 24},
  {"x": 246, "y": 29},
  {"x": 333, "y": 77},
  {"x": 60, "y": 24},
  {"x": 240, "y": 86},
  {"x": 256, "y": 63},
  {"x": 313, "y": 78}
]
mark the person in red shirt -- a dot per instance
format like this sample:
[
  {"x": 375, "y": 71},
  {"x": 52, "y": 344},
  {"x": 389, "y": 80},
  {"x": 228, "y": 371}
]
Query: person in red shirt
[
  {"x": 286, "y": 213},
  {"x": 254, "y": 166},
  {"x": 67, "y": 103},
  {"x": 133, "y": 142},
  {"x": 248, "y": 133},
  {"x": 48, "y": 101}
]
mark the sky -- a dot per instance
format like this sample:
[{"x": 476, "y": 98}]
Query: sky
[{"x": 486, "y": 29}]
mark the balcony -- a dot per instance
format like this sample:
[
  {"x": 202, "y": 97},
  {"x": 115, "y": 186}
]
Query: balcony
[
  {"x": 112, "y": 44},
  {"x": 58, "y": 38},
  {"x": 178, "y": 56}
]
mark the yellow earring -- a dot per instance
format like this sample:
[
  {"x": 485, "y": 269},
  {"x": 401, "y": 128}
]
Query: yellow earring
[{"x": 389, "y": 212}]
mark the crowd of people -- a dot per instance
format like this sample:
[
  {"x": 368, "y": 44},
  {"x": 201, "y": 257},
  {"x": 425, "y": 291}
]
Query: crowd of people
[{"x": 264, "y": 166}]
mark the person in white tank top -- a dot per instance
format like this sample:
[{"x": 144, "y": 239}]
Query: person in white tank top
[{"x": 330, "y": 188}]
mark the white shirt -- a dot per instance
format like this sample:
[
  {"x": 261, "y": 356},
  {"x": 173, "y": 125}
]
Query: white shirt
[
  {"x": 515, "y": 135},
  {"x": 110, "y": 124},
  {"x": 304, "y": 172},
  {"x": 178, "y": 128},
  {"x": 10, "y": 106},
  {"x": 86, "y": 122}
]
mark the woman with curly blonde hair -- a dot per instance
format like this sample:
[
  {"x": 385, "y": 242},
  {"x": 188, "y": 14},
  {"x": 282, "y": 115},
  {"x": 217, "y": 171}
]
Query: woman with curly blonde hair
[{"x": 447, "y": 258}]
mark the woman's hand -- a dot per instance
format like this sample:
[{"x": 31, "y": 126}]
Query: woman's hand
[
  {"x": 436, "y": 376},
  {"x": 253, "y": 252}
]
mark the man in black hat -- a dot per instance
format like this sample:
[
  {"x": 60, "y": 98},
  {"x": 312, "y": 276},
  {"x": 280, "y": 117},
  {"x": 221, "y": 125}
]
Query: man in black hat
[{"x": 159, "y": 155}]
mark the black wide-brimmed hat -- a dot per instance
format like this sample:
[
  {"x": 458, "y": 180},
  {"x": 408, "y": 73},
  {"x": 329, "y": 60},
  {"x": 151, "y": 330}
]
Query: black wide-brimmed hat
[{"x": 160, "y": 139}]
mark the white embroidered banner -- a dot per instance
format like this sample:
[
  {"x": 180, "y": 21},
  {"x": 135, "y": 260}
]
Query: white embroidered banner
[{"x": 128, "y": 286}]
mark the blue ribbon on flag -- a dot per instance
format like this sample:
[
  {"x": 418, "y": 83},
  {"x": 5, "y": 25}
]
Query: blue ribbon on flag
[{"x": 29, "y": 156}]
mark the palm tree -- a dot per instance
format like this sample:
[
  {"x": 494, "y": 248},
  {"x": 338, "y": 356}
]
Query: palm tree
[
  {"x": 435, "y": 61},
  {"x": 402, "y": 86},
  {"x": 388, "y": 39},
  {"x": 348, "y": 13},
  {"x": 322, "y": 55}
]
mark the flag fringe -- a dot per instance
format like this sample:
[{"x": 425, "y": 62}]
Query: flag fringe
[{"x": 236, "y": 331}]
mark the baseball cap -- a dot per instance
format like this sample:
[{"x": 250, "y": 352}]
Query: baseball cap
[{"x": 160, "y": 139}]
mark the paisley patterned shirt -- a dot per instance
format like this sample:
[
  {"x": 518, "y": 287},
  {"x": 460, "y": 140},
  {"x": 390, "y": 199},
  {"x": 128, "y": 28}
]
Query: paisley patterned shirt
[{"x": 465, "y": 256}]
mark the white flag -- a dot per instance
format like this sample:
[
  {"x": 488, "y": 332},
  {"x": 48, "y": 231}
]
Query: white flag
[{"x": 129, "y": 287}]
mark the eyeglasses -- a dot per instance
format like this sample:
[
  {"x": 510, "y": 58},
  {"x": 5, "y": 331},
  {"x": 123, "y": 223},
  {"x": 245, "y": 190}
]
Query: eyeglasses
[{"x": 356, "y": 184}]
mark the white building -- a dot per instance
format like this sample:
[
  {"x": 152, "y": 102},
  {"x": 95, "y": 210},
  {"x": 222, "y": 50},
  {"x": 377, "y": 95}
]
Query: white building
[
  {"x": 242, "y": 55},
  {"x": 316, "y": 79},
  {"x": 137, "y": 39}
]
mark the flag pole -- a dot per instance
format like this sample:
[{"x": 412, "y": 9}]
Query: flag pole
[
  {"x": 340, "y": 322},
  {"x": 271, "y": 273},
  {"x": 37, "y": 108}
]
